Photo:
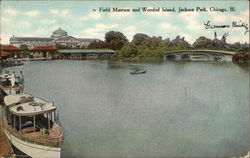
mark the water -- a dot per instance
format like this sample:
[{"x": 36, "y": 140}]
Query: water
[{"x": 174, "y": 110}]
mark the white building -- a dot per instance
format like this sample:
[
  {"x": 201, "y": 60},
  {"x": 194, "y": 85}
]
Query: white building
[{"x": 59, "y": 36}]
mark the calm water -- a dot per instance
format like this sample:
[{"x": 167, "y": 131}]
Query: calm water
[{"x": 174, "y": 110}]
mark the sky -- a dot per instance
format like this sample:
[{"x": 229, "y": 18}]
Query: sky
[{"x": 78, "y": 18}]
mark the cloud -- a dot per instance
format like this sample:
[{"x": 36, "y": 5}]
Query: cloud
[
  {"x": 60, "y": 13},
  {"x": 41, "y": 32},
  {"x": 243, "y": 16},
  {"x": 99, "y": 30},
  {"x": 188, "y": 15},
  {"x": 119, "y": 14},
  {"x": 48, "y": 21},
  {"x": 10, "y": 11},
  {"x": 24, "y": 24},
  {"x": 194, "y": 25},
  {"x": 5, "y": 20},
  {"x": 29, "y": 35},
  {"x": 129, "y": 31},
  {"x": 5, "y": 38},
  {"x": 54, "y": 11},
  {"x": 221, "y": 18},
  {"x": 83, "y": 18},
  {"x": 218, "y": 17},
  {"x": 144, "y": 22},
  {"x": 102, "y": 27},
  {"x": 32, "y": 13},
  {"x": 188, "y": 37},
  {"x": 157, "y": 14},
  {"x": 90, "y": 16},
  {"x": 168, "y": 26},
  {"x": 237, "y": 38},
  {"x": 191, "y": 18},
  {"x": 95, "y": 15}
]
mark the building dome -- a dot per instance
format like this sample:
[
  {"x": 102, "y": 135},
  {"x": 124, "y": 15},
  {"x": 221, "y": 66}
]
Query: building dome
[{"x": 59, "y": 33}]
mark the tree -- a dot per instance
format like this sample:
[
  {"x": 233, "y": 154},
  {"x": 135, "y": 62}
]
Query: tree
[
  {"x": 24, "y": 47},
  {"x": 128, "y": 51},
  {"x": 60, "y": 46},
  {"x": 139, "y": 38},
  {"x": 203, "y": 42},
  {"x": 156, "y": 42},
  {"x": 97, "y": 44},
  {"x": 180, "y": 43},
  {"x": 115, "y": 40},
  {"x": 25, "y": 52}
]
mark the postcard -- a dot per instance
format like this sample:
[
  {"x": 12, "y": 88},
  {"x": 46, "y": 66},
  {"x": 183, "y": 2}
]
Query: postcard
[{"x": 112, "y": 79}]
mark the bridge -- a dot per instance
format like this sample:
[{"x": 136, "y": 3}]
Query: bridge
[{"x": 200, "y": 55}]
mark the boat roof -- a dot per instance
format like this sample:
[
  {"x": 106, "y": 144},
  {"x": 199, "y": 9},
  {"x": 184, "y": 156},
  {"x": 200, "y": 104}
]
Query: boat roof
[
  {"x": 27, "y": 105},
  {"x": 4, "y": 75},
  {"x": 8, "y": 76}
]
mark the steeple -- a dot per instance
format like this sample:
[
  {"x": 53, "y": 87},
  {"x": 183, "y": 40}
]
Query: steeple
[{"x": 215, "y": 35}]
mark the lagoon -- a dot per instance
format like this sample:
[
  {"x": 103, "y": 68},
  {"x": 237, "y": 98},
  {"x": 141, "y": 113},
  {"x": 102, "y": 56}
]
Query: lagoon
[{"x": 175, "y": 109}]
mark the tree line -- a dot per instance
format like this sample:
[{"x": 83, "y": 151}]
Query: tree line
[{"x": 145, "y": 47}]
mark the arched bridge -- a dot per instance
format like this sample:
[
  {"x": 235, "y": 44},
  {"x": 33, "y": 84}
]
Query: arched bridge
[{"x": 200, "y": 55}]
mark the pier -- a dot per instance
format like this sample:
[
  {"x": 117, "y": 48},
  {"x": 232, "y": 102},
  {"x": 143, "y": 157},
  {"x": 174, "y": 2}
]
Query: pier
[
  {"x": 10, "y": 63},
  {"x": 81, "y": 54}
]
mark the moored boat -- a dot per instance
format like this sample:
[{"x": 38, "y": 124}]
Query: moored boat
[
  {"x": 30, "y": 125},
  {"x": 11, "y": 84}
]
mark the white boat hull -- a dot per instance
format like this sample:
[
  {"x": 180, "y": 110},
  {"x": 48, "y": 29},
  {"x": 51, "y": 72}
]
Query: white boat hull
[{"x": 34, "y": 150}]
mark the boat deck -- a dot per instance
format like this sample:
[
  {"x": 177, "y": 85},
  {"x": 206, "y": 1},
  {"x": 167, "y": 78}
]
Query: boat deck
[
  {"x": 5, "y": 146},
  {"x": 52, "y": 139}
]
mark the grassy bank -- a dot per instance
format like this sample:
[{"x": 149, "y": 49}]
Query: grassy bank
[{"x": 242, "y": 57}]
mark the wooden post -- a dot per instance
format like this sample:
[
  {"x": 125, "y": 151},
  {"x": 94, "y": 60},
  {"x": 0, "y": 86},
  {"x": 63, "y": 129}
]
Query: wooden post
[
  {"x": 55, "y": 116},
  {"x": 48, "y": 123},
  {"x": 15, "y": 121},
  {"x": 20, "y": 121},
  {"x": 11, "y": 120},
  {"x": 34, "y": 118},
  {"x": 50, "y": 116}
]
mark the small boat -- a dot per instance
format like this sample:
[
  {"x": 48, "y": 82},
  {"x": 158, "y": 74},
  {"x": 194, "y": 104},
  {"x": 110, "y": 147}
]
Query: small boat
[
  {"x": 30, "y": 124},
  {"x": 136, "y": 72},
  {"x": 12, "y": 84}
]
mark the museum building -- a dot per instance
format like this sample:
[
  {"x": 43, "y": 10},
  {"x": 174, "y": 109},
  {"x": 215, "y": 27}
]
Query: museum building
[{"x": 59, "y": 36}]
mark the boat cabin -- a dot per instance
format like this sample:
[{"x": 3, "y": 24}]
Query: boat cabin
[{"x": 32, "y": 119}]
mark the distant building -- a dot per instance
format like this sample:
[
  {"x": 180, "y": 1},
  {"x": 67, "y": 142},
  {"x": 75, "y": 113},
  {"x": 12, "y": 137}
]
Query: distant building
[
  {"x": 86, "y": 54},
  {"x": 59, "y": 36},
  {"x": 4, "y": 55},
  {"x": 12, "y": 50},
  {"x": 43, "y": 51}
]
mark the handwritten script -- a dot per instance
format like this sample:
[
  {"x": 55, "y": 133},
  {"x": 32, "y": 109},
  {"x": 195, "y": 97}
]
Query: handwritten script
[{"x": 234, "y": 24}]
